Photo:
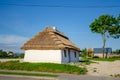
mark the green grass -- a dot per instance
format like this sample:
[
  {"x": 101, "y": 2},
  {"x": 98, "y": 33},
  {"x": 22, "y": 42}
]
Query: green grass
[
  {"x": 117, "y": 75},
  {"x": 104, "y": 59},
  {"x": 94, "y": 70},
  {"x": 89, "y": 62},
  {"x": 42, "y": 67},
  {"x": 86, "y": 61},
  {"x": 101, "y": 59},
  {"x": 28, "y": 74}
]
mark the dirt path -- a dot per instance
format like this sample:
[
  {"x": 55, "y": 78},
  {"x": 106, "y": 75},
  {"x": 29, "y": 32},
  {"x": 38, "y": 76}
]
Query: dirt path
[{"x": 103, "y": 68}]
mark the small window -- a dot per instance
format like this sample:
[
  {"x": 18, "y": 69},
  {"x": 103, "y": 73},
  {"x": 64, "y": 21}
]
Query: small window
[
  {"x": 65, "y": 55},
  {"x": 75, "y": 54}
]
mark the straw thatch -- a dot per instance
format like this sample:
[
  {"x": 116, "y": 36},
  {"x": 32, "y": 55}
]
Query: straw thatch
[{"x": 49, "y": 39}]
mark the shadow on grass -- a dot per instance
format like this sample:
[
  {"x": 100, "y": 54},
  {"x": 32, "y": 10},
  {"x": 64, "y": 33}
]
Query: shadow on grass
[{"x": 84, "y": 60}]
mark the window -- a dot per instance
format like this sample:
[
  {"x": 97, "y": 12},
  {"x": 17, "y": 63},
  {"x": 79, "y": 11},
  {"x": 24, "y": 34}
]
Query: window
[
  {"x": 65, "y": 55},
  {"x": 75, "y": 54}
]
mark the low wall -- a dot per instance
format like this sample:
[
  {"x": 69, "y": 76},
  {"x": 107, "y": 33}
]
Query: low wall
[{"x": 5, "y": 60}]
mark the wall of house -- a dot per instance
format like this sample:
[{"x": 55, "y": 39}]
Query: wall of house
[
  {"x": 65, "y": 59},
  {"x": 70, "y": 57},
  {"x": 53, "y": 56}
]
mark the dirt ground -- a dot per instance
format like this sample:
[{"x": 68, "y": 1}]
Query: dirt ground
[{"x": 104, "y": 68}]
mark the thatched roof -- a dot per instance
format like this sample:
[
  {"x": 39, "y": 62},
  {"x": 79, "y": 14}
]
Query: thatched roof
[{"x": 49, "y": 39}]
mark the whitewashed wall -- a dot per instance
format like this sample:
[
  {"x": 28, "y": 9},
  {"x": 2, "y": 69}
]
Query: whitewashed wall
[{"x": 53, "y": 56}]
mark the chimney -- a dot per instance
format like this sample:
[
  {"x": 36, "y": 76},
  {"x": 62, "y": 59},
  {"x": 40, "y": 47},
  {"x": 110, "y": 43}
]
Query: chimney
[{"x": 54, "y": 27}]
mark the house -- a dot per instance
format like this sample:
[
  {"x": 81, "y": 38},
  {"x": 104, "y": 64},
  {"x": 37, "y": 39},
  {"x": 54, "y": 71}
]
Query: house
[
  {"x": 98, "y": 52},
  {"x": 51, "y": 46},
  {"x": 90, "y": 52}
]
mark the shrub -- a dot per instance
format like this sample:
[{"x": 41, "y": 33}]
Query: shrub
[
  {"x": 96, "y": 57},
  {"x": 21, "y": 55}
]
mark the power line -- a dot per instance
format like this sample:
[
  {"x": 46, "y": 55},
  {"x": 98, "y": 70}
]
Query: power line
[{"x": 59, "y": 6}]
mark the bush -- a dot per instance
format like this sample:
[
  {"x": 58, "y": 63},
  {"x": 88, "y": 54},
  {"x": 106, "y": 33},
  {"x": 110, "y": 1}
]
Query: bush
[
  {"x": 83, "y": 53},
  {"x": 21, "y": 55},
  {"x": 96, "y": 57}
]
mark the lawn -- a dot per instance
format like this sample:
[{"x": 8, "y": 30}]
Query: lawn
[
  {"x": 42, "y": 67},
  {"x": 103, "y": 59}
]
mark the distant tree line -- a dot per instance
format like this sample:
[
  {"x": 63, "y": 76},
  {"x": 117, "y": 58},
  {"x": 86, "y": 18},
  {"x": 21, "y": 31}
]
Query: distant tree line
[
  {"x": 10, "y": 54},
  {"x": 84, "y": 52},
  {"x": 117, "y": 51}
]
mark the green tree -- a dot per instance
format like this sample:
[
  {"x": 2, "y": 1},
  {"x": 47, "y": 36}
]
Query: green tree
[
  {"x": 21, "y": 55},
  {"x": 84, "y": 53},
  {"x": 117, "y": 51},
  {"x": 3, "y": 54},
  {"x": 10, "y": 54},
  {"x": 108, "y": 26}
]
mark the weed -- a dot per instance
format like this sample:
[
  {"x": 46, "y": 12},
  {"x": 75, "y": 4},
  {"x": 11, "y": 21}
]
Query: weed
[
  {"x": 115, "y": 75},
  {"x": 94, "y": 70}
]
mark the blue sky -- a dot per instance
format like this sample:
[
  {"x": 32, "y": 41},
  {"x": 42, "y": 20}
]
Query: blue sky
[{"x": 20, "y": 23}]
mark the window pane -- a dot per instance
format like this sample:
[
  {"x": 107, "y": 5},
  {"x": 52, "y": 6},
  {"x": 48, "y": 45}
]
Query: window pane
[
  {"x": 75, "y": 54},
  {"x": 65, "y": 55}
]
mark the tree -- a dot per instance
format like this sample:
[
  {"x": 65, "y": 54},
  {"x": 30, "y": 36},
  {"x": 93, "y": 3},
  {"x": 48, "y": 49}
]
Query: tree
[
  {"x": 84, "y": 53},
  {"x": 3, "y": 54},
  {"x": 10, "y": 54},
  {"x": 21, "y": 55},
  {"x": 117, "y": 51},
  {"x": 108, "y": 26}
]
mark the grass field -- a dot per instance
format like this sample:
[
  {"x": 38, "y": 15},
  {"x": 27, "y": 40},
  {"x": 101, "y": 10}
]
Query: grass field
[
  {"x": 42, "y": 67},
  {"x": 103, "y": 59}
]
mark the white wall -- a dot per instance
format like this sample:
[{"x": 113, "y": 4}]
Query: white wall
[{"x": 53, "y": 56}]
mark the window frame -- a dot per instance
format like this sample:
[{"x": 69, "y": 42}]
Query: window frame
[
  {"x": 65, "y": 53},
  {"x": 75, "y": 54}
]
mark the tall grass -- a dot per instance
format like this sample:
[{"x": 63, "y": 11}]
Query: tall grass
[{"x": 42, "y": 67}]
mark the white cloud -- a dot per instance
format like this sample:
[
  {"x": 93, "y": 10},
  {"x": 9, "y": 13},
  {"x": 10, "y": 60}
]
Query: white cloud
[{"x": 12, "y": 42}]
